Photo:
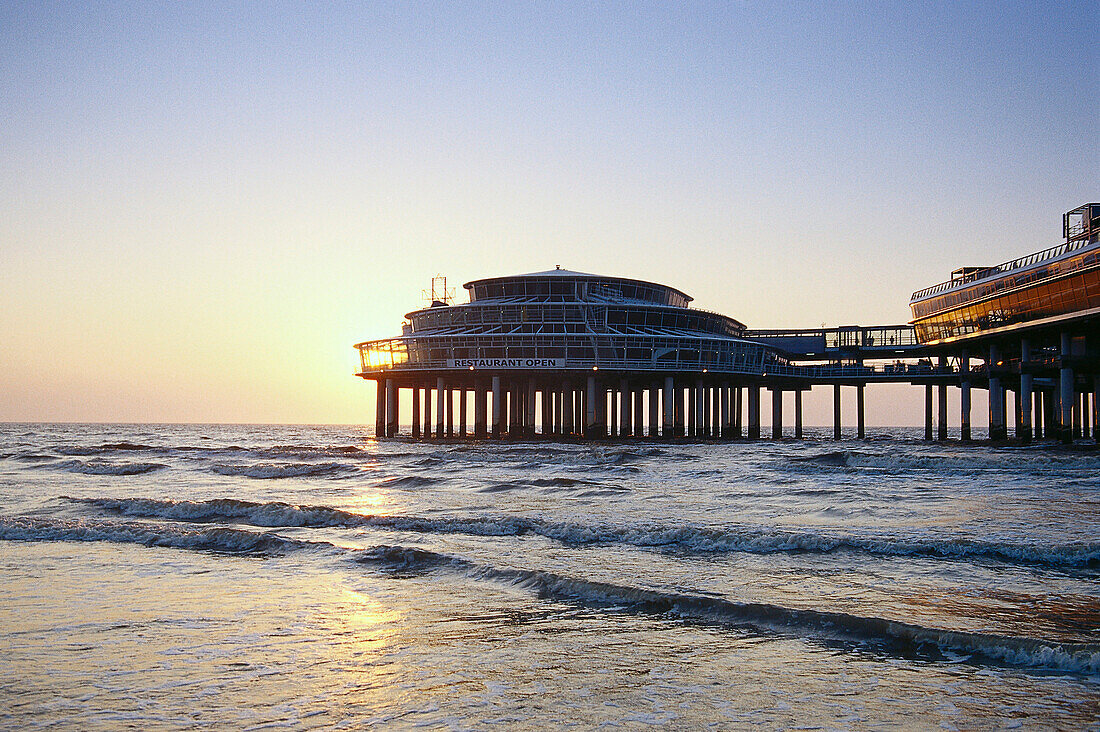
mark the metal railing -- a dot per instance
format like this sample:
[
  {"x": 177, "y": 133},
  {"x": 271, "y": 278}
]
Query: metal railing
[{"x": 1025, "y": 261}]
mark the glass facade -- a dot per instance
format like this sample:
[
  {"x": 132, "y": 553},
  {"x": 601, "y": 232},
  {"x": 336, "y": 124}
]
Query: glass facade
[
  {"x": 1067, "y": 283},
  {"x": 555, "y": 287},
  {"x": 580, "y": 321}
]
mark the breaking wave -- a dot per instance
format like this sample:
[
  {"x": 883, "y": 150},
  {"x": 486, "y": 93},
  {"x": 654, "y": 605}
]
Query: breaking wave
[
  {"x": 686, "y": 539},
  {"x": 905, "y": 637},
  {"x": 894, "y": 636},
  {"x": 220, "y": 539},
  {"x": 971, "y": 462},
  {"x": 263, "y": 471},
  {"x": 102, "y": 467}
]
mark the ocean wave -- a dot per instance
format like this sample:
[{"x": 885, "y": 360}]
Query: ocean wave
[
  {"x": 971, "y": 462},
  {"x": 408, "y": 481},
  {"x": 559, "y": 482},
  {"x": 102, "y": 467},
  {"x": 905, "y": 637},
  {"x": 220, "y": 539},
  {"x": 105, "y": 448},
  {"x": 264, "y": 471},
  {"x": 683, "y": 539}
]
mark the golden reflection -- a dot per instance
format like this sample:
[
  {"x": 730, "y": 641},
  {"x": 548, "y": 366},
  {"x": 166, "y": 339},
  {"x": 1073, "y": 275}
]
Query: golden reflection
[
  {"x": 372, "y": 623},
  {"x": 383, "y": 354},
  {"x": 371, "y": 504}
]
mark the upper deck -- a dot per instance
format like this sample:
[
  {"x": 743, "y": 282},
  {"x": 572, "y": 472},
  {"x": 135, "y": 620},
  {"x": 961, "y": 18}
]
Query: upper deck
[{"x": 1049, "y": 283}]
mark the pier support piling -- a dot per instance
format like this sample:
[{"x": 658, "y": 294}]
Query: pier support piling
[
  {"x": 941, "y": 431},
  {"x": 964, "y": 397},
  {"x": 754, "y": 411},
  {"x": 496, "y": 406},
  {"x": 654, "y": 413},
  {"x": 836, "y": 411},
  {"x": 1065, "y": 388},
  {"x": 998, "y": 429},
  {"x": 380, "y": 409},
  {"x": 928, "y": 412},
  {"x": 391, "y": 408},
  {"x": 861, "y": 422},
  {"x": 777, "y": 414},
  {"x": 798, "y": 414}
]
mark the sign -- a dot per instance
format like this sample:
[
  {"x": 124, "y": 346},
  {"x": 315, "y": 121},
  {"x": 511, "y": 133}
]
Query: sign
[{"x": 505, "y": 363}]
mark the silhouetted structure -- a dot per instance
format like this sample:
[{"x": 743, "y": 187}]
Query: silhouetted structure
[{"x": 575, "y": 355}]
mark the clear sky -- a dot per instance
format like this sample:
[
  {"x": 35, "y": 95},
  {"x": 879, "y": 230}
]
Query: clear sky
[{"x": 203, "y": 206}]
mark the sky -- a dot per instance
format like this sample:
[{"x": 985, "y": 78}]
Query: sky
[{"x": 204, "y": 206}]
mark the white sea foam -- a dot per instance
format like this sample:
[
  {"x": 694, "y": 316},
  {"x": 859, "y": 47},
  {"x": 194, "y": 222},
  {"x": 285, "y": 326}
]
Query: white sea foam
[
  {"x": 219, "y": 539},
  {"x": 102, "y": 467},
  {"x": 282, "y": 470},
  {"x": 687, "y": 539},
  {"x": 1077, "y": 658}
]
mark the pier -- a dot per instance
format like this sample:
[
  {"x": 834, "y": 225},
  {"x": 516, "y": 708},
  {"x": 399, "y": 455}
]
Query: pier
[{"x": 570, "y": 355}]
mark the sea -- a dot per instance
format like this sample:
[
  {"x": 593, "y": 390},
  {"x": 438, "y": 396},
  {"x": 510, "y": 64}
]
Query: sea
[{"x": 313, "y": 577}]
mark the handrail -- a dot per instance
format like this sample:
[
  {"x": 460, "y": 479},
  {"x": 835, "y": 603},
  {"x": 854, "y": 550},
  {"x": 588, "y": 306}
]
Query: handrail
[
  {"x": 750, "y": 367},
  {"x": 1025, "y": 261}
]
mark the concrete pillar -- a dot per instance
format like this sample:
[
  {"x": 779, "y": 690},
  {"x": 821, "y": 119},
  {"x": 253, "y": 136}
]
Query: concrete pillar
[
  {"x": 738, "y": 409},
  {"x": 516, "y": 402},
  {"x": 462, "y": 397},
  {"x": 1018, "y": 414},
  {"x": 928, "y": 412},
  {"x": 559, "y": 416},
  {"x": 754, "y": 411},
  {"x": 836, "y": 411},
  {"x": 964, "y": 397},
  {"x": 708, "y": 411},
  {"x": 391, "y": 407},
  {"x": 529, "y": 409},
  {"x": 1050, "y": 415},
  {"x": 567, "y": 427},
  {"x": 1077, "y": 410},
  {"x": 997, "y": 428},
  {"x": 654, "y": 408},
  {"x": 590, "y": 404},
  {"x": 1065, "y": 388},
  {"x": 547, "y": 410},
  {"x": 679, "y": 404},
  {"x": 626, "y": 409},
  {"x": 427, "y": 420},
  {"x": 1086, "y": 413},
  {"x": 639, "y": 413},
  {"x": 724, "y": 423},
  {"x": 449, "y": 419},
  {"x": 440, "y": 405},
  {"x": 416, "y": 411},
  {"x": 496, "y": 406},
  {"x": 581, "y": 406},
  {"x": 798, "y": 414},
  {"x": 481, "y": 409},
  {"x": 1037, "y": 411},
  {"x": 668, "y": 398},
  {"x": 861, "y": 421},
  {"x": 941, "y": 431},
  {"x": 692, "y": 414},
  {"x": 380, "y": 408},
  {"x": 777, "y": 413},
  {"x": 1096, "y": 408},
  {"x": 1027, "y": 396}
]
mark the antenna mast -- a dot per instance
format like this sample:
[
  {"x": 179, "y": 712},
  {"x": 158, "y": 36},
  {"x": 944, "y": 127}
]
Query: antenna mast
[{"x": 439, "y": 294}]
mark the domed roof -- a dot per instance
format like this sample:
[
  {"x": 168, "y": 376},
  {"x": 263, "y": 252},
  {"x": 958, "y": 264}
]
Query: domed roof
[{"x": 571, "y": 274}]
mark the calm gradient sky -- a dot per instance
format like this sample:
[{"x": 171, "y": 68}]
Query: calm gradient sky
[{"x": 203, "y": 206}]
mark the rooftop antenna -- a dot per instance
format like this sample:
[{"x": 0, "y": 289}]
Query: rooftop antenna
[{"x": 439, "y": 294}]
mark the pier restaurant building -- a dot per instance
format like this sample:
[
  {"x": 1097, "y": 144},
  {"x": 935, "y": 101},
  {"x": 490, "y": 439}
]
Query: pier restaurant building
[{"x": 572, "y": 354}]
